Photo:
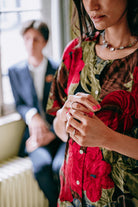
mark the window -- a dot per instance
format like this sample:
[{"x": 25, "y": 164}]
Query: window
[{"x": 12, "y": 14}]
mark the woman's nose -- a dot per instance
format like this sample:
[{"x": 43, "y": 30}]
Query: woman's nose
[{"x": 91, "y": 5}]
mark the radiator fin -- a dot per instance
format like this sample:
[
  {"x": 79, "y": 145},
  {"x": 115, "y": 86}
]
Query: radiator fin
[{"x": 18, "y": 188}]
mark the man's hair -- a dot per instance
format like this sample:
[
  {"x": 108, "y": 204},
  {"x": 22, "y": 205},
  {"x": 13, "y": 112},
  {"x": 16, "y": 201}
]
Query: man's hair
[{"x": 38, "y": 25}]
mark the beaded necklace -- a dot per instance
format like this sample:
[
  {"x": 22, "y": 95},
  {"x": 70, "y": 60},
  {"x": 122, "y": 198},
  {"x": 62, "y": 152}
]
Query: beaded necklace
[{"x": 111, "y": 48}]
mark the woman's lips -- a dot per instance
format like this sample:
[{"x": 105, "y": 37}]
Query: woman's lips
[{"x": 97, "y": 18}]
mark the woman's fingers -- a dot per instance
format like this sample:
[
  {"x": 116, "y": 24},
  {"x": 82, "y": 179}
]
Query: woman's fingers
[
  {"x": 72, "y": 129},
  {"x": 75, "y": 134},
  {"x": 78, "y": 120},
  {"x": 84, "y": 102},
  {"x": 78, "y": 106},
  {"x": 79, "y": 109}
]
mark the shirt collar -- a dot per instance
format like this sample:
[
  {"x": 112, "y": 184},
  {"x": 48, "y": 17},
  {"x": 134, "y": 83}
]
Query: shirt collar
[{"x": 40, "y": 66}]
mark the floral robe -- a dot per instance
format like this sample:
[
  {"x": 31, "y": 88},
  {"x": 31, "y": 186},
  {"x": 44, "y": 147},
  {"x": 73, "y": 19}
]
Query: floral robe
[{"x": 93, "y": 176}]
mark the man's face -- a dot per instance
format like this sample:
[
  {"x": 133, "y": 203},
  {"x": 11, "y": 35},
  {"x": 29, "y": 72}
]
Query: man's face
[{"x": 34, "y": 42}]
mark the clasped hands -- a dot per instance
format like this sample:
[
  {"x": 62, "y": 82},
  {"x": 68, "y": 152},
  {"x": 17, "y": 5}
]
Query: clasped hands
[
  {"x": 40, "y": 135},
  {"x": 81, "y": 122}
]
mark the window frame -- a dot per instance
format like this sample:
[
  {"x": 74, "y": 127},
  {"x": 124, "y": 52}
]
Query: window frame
[
  {"x": 6, "y": 109},
  {"x": 64, "y": 6}
]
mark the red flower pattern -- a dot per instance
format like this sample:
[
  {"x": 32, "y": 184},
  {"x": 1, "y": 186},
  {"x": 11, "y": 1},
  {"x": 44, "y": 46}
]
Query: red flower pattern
[
  {"x": 123, "y": 101},
  {"x": 74, "y": 63},
  {"x": 55, "y": 106},
  {"x": 71, "y": 174},
  {"x": 119, "y": 116},
  {"x": 96, "y": 173},
  {"x": 65, "y": 191}
]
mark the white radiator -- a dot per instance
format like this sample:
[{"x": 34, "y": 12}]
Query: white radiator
[{"x": 18, "y": 188}]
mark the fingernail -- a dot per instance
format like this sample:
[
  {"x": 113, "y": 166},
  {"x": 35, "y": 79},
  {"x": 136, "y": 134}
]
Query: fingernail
[
  {"x": 94, "y": 107},
  {"x": 91, "y": 114},
  {"x": 98, "y": 106}
]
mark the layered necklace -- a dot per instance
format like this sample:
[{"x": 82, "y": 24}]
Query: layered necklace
[{"x": 111, "y": 48}]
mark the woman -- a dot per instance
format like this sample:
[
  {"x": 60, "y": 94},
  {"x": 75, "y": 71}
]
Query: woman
[{"x": 95, "y": 95}]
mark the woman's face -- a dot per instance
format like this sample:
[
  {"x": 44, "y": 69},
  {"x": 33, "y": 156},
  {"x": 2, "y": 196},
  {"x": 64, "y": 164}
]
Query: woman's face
[{"x": 106, "y": 13}]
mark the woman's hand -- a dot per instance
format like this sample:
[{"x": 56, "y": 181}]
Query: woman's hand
[
  {"x": 82, "y": 124},
  {"x": 80, "y": 102},
  {"x": 86, "y": 130},
  {"x": 84, "y": 102}
]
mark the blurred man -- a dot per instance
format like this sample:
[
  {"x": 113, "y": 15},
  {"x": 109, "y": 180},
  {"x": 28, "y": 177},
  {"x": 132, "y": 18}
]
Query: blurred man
[{"x": 30, "y": 81}]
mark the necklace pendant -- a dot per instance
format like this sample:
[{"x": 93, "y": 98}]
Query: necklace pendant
[
  {"x": 106, "y": 45},
  {"x": 112, "y": 49},
  {"x": 121, "y": 48}
]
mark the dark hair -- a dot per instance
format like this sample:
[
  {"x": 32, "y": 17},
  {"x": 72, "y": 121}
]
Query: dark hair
[
  {"x": 132, "y": 16},
  {"x": 86, "y": 26},
  {"x": 38, "y": 25}
]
